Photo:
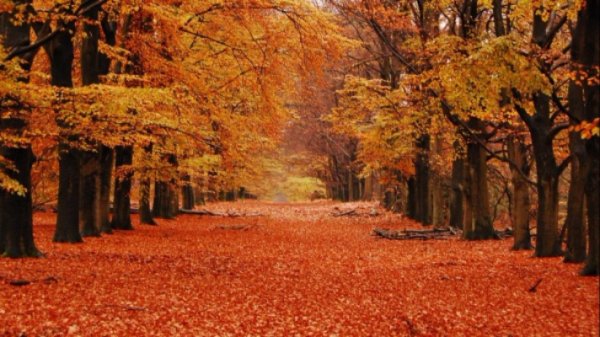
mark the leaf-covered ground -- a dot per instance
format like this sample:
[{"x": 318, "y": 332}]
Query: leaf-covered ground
[{"x": 296, "y": 271}]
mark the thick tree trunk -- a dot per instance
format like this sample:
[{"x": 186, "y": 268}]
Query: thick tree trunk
[
  {"x": 520, "y": 194},
  {"x": 122, "y": 203},
  {"x": 90, "y": 198},
  {"x": 589, "y": 30},
  {"x": 457, "y": 199},
  {"x": 106, "y": 154},
  {"x": 575, "y": 221},
  {"x": 89, "y": 209},
  {"x": 67, "y": 223},
  {"x": 547, "y": 242},
  {"x": 61, "y": 53},
  {"x": 593, "y": 201},
  {"x": 162, "y": 207},
  {"x": 547, "y": 239},
  {"x": 145, "y": 211},
  {"x": 16, "y": 221},
  {"x": 16, "y": 218},
  {"x": 480, "y": 227}
]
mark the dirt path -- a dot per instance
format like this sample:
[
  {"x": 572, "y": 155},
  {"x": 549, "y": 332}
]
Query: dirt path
[{"x": 297, "y": 270}]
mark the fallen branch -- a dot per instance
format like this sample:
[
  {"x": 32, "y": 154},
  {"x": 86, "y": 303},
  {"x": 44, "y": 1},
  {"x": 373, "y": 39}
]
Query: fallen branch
[
  {"x": 414, "y": 234},
  {"x": 534, "y": 287},
  {"x": 350, "y": 212},
  {"x": 206, "y": 212},
  {"x": 235, "y": 227}
]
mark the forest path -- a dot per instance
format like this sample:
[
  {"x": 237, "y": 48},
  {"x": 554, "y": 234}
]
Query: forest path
[{"x": 296, "y": 270}]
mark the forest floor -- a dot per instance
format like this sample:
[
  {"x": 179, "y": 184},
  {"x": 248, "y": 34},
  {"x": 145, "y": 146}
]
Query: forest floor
[{"x": 295, "y": 271}]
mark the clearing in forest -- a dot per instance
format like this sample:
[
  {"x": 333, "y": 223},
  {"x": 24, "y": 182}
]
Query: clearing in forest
[{"x": 297, "y": 269}]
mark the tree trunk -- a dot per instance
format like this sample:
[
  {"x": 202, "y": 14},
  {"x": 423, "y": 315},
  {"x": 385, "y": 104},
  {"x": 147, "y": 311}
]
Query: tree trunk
[
  {"x": 107, "y": 159},
  {"x": 145, "y": 212},
  {"x": 162, "y": 207},
  {"x": 67, "y": 223},
  {"x": 89, "y": 192},
  {"x": 589, "y": 30},
  {"x": 593, "y": 201},
  {"x": 411, "y": 207},
  {"x": 480, "y": 227},
  {"x": 106, "y": 154},
  {"x": 90, "y": 198},
  {"x": 122, "y": 204},
  {"x": 422, "y": 181},
  {"x": 16, "y": 218},
  {"x": 187, "y": 192},
  {"x": 520, "y": 194},
  {"x": 575, "y": 221},
  {"x": 61, "y": 54},
  {"x": 457, "y": 199}
]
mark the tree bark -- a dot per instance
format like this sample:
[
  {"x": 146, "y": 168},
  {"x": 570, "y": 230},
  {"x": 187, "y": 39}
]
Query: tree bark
[
  {"x": 107, "y": 159},
  {"x": 145, "y": 211},
  {"x": 587, "y": 31},
  {"x": 61, "y": 53},
  {"x": 90, "y": 194},
  {"x": 458, "y": 197},
  {"x": 16, "y": 216},
  {"x": 520, "y": 194},
  {"x": 480, "y": 227},
  {"x": 575, "y": 221},
  {"x": 187, "y": 191},
  {"x": 122, "y": 203},
  {"x": 422, "y": 181},
  {"x": 547, "y": 239}
]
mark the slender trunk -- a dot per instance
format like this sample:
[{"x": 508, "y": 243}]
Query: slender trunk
[
  {"x": 411, "y": 206},
  {"x": 122, "y": 204},
  {"x": 350, "y": 185},
  {"x": 187, "y": 192},
  {"x": 145, "y": 212},
  {"x": 422, "y": 181},
  {"x": 520, "y": 194},
  {"x": 368, "y": 189},
  {"x": 107, "y": 159},
  {"x": 457, "y": 198}
]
